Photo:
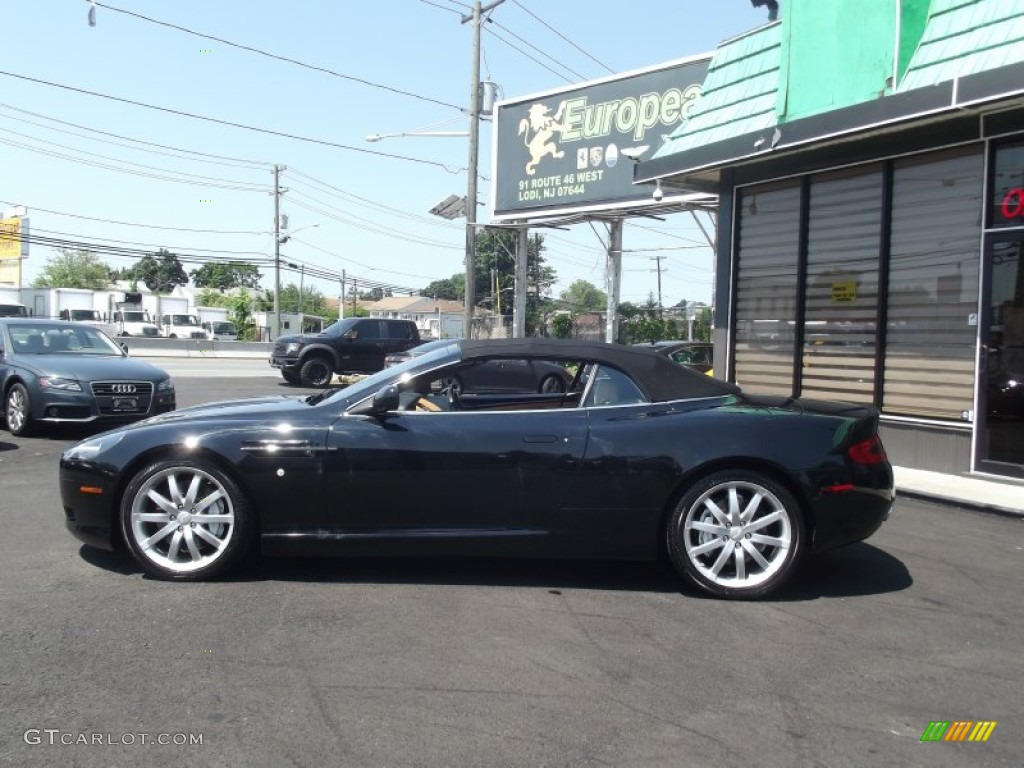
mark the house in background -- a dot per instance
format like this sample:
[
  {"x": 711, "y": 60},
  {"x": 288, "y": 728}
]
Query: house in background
[
  {"x": 869, "y": 162},
  {"x": 435, "y": 318}
]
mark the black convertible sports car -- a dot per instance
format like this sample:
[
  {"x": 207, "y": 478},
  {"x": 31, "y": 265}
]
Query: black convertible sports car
[{"x": 638, "y": 456}]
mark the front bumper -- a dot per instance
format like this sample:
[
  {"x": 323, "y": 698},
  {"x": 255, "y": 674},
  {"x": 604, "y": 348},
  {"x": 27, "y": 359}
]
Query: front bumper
[
  {"x": 87, "y": 496},
  {"x": 290, "y": 364},
  {"x": 59, "y": 406}
]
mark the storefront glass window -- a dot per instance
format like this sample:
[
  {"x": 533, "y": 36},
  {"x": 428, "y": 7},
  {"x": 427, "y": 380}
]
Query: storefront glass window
[
  {"x": 766, "y": 288},
  {"x": 1007, "y": 204},
  {"x": 841, "y": 300},
  {"x": 933, "y": 285}
]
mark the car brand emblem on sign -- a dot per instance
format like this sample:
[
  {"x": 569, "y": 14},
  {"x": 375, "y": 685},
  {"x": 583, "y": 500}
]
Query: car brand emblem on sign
[{"x": 124, "y": 389}]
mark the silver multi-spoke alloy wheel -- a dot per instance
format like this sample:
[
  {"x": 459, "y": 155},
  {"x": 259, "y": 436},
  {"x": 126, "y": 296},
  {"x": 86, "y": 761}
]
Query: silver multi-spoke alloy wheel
[
  {"x": 736, "y": 534},
  {"x": 184, "y": 521},
  {"x": 17, "y": 410}
]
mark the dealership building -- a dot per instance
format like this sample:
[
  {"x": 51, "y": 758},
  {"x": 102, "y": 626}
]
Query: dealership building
[{"x": 868, "y": 160}]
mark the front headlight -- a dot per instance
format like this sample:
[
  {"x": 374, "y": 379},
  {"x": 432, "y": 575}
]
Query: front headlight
[
  {"x": 55, "y": 382},
  {"x": 292, "y": 347},
  {"x": 94, "y": 446},
  {"x": 167, "y": 385}
]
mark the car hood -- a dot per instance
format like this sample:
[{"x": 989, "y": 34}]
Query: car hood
[
  {"x": 92, "y": 367},
  {"x": 303, "y": 338},
  {"x": 259, "y": 408}
]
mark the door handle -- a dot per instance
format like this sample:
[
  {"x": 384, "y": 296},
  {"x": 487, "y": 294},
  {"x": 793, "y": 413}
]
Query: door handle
[
  {"x": 540, "y": 438},
  {"x": 286, "y": 447}
]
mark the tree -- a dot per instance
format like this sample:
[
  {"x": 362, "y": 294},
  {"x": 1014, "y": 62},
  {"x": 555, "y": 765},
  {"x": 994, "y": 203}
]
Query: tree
[
  {"x": 224, "y": 276},
  {"x": 312, "y": 300},
  {"x": 160, "y": 271},
  {"x": 445, "y": 289},
  {"x": 582, "y": 296},
  {"x": 562, "y": 326},
  {"x": 240, "y": 305},
  {"x": 702, "y": 325},
  {"x": 74, "y": 269},
  {"x": 208, "y": 297}
]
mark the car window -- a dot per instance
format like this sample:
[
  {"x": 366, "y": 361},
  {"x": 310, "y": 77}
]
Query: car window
[
  {"x": 611, "y": 387},
  {"x": 368, "y": 330},
  {"x": 46, "y": 339},
  {"x": 399, "y": 330},
  {"x": 684, "y": 357}
]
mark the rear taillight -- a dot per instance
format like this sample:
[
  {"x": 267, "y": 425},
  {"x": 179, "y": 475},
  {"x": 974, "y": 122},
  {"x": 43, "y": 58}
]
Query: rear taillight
[{"x": 868, "y": 451}]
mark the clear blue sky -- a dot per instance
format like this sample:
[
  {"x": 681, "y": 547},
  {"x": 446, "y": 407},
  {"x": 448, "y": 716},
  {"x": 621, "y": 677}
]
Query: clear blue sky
[{"x": 370, "y": 210}]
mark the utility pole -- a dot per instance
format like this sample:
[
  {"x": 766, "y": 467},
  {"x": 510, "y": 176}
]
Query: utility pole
[
  {"x": 519, "y": 295},
  {"x": 474, "y": 149},
  {"x": 341, "y": 296},
  {"x": 276, "y": 330},
  {"x": 614, "y": 277},
  {"x": 658, "y": 259}
]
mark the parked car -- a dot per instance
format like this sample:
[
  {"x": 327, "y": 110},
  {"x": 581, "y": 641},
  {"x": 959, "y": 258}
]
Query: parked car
[
  {"x": 59, "y": 372},
  {"x": 515, "y": 375},
  {"x": 220, "y": 330},
  {"x": 699, "y": 355},
  {"x": 352, "y": 345},
  {"x": 640, "y": 456},
  {"x": 13, "y": 310}
]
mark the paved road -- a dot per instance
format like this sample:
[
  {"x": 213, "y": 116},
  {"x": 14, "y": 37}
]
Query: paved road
[{"x": 424, "y": 663}]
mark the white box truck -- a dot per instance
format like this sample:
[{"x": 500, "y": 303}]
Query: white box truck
[{"x": 129, "y": 317}]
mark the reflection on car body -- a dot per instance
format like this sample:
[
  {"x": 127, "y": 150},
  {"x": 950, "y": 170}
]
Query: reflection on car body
[{"x": 637, "y": 456}]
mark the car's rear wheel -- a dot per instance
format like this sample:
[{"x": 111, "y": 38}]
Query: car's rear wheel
[
  {"x": 18, "y": 410},
  {"x": 291, "y": 378},
  {"x": 184, "y": 521},
  {"x": 316, "y": 372},
  {"x": 552, "y": 383},
  {"x": 736, "y": 534}
]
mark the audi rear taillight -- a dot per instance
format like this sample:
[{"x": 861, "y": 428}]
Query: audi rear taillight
[{"x": 868, "y": 451}]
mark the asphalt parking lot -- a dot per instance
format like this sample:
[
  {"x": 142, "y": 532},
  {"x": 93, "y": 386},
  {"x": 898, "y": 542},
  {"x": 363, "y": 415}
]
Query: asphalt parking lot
[{"x": 477, "y": 662}]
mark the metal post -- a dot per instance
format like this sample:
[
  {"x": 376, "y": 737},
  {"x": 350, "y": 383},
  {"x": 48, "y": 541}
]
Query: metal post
[
  {"x": 341, "y": 296},
  {"x": 658, "y": 259},
  {"x": 276, "y": 330},
  {"x": 474, "y": 138},
  {"x": 614, "y": 278},
  {"x": 519, "y": 305}
]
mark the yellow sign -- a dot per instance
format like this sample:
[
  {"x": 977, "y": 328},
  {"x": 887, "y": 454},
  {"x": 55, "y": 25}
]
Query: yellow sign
[
  {"x": 12, "y": 244},
  {"x": 844, "y": 293}
]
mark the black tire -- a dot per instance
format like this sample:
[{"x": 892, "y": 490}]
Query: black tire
[
  {"x": 705, "y": 530},
  {"x": 173, "y": 336},
  {"x": 18, "y": 410},
  {"x": 551, "y": 384},
  {"x": 291, "y": 378},
  {"x": 316, "y": 372},
  {"x": 172, "y": 551}
]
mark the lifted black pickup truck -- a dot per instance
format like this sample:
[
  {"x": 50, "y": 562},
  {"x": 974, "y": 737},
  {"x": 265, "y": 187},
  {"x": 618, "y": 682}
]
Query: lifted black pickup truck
[{"x": 352, "y": 345}]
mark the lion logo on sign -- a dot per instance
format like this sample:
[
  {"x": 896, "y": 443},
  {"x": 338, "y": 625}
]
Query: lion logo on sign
[{"x": 537, "y": 131}]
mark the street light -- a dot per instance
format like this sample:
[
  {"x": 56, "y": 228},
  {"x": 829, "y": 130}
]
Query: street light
[{"x": 449, "y": 134}]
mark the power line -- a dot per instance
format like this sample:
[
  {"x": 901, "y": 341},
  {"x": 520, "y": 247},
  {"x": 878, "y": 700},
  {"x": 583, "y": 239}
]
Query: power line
[
  {"x": 364, "y": 266},
  {"x": 158, "y": 246},
  {"x": 49, "y": 153},
  {"x": 278, "y": 57},
  {"x": 232, "y": 124},
  {"x": 570, "y": 42},
  {"x": 206, "y": 180},
  {"x": 543, "y": 53},
  {"x": 136, "y": 224},
  {"x": 229, "y": 162},
  {"x": 377, "y": 230},
  {"x": 532, "y": 58}
]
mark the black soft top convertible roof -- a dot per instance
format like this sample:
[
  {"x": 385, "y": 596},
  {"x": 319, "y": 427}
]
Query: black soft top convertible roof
[{"x": 659, "y": 377}]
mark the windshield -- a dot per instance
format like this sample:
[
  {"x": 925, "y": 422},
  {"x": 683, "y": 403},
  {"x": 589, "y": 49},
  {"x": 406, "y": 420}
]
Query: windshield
[
  {"x": 135, "y": 317},
  {"x": 447, "y": 353},
  {"x": 223, "y": 328},
  {"x": 183, "y": 320},
  {"x": 338, "y": 328},
  {"x": 85, "y": 314},
  {"x": 49, "y": 339},
  {"x": 13, "y": 310}
]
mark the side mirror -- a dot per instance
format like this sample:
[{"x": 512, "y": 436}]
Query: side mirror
[
  {"x": 385, "y": 400},
  {"x": 124, "y": 349}
]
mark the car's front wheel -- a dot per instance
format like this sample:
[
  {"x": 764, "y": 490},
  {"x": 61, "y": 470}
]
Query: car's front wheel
[
  {"x": 316, "y": 372},
  {"x": 18, "y": 410},
  {"x": 185, "y": 521},
  {"x": 736, "y": 534}
]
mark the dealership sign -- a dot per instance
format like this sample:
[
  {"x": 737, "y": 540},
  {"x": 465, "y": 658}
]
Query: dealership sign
[
  {"x": 573, "y": 149},
  {"x": 1007, "y": 199}
]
